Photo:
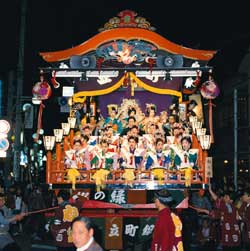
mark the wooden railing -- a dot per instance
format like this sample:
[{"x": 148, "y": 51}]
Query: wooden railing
[
  {"x": 116, "y": 177},
  {"x": 56, "y": 173}
]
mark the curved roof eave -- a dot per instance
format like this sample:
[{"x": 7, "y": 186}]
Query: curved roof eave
[{"x": 128, "y": 34}]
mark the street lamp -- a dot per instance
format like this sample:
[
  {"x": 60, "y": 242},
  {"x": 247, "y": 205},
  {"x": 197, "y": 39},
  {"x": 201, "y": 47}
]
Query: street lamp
[
  {"x": 58, "y": 137},
  {"x": 72, "y": 122},
  {"x": 48, "y": 142},
  {"x": 200, "y": 132},
  {"x": 205, "y": 141},
  {"x": 66, "y": 128},
  {"x": 196, "y": 125}
]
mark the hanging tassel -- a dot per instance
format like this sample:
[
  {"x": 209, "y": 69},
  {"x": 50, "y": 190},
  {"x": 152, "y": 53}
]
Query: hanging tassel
[
  {"x": 197, "y": 81},
  {"x": 125, "y": 80},
  {"x": 39, "y": 121},
  {"x": 132, "y": 88},
  {"x": 188, "y": 174},
  {"x": 99, "y": 63},
  {"x": 72, "y": 174},
  {"x": 53, "y": 80},
  {"x": 159, "y": 174},
  {"x": 40, "y": 114},
  {"x": 129, "y": 176},
  {"x": 100, "y": 177},
  {"x": 210, "y": 107},
  {"x": 151, "y": 62}
]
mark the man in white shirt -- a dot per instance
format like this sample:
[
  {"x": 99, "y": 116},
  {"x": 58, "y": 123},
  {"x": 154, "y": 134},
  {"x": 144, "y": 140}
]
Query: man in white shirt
[{"x": 83, "y": 235}]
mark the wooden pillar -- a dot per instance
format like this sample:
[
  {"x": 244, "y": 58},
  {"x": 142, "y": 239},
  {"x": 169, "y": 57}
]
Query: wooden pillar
[
  {"x": 71, "y": 137},
  {"x": 58, "y": 156},
  {"x": 66, "y": 144},
  {"x": 204, "y": 156},
  {"x": 48, "y": 167},
  {"x": 196, "y": 145}
]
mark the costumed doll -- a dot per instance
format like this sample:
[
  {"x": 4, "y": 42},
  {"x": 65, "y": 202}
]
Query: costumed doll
[
  {"x": 113, "y": 120},
  {"x": 131, "y": 158},
  {"x": 103, "y": 160},
  {"x": 77, "y": 158},
  {"x": 186, "y": 159},
  {"x": 158, "y": 159}
]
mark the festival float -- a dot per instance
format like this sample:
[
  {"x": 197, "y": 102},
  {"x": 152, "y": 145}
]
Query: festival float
[{"x": 128, "y": 70}]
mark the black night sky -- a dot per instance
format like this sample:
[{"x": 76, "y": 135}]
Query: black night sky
[
  {"x": 53, "y": 25},
  {"x": 59, "y": 24}
]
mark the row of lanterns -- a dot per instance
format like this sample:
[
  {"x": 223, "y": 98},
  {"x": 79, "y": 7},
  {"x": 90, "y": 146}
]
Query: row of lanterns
[
  {"x": 204, "y": 139},
  {"x": 49, "y": 141}
]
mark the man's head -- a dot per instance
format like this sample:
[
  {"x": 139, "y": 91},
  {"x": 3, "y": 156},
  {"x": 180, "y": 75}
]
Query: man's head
[
  {"x": 186, "y": 143},
  {"x": 152, "y": 128},
  {"x": 132, "y": 142},
  {"x": 131, "y": 121},
  {"x": 246, "y": 196},
  {"x": 227, "y": 196},
  {"x": 82, "y": 231},
  {"x": 201, "y": 192},
  {"x": 171, "y": 119},
  {"x": 77, "y": 144},
  {"x": 112, "y": 112},
  {"x": 86, "y": 131},
  {"x": 63, "y": 195},
  {"x": 131, "y": 111},
  {"x": 85, "y": 140},
  {"x": 104, "y": 145},
  {"x": 109, "y": 131},
  {"x": 151, "y": 110},
  {"x": 92, "y": 120},
  {"x": 159, "y": 144},
  {"x": 134, "y": 131},
  {"x": 163, "y": 199}
]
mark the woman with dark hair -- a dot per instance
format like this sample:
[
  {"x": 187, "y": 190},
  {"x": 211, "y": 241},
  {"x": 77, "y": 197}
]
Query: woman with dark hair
[
  {"x": 186, "y": 157},
  {"x": 83, "y": 235},
  {"x": 167, "y": 234}
]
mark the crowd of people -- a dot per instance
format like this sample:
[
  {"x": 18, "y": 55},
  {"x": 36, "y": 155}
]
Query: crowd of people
[{"x": 217, "y": 219}]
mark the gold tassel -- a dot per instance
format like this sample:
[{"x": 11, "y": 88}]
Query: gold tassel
[
  {"x": 188, "y": 174},
  {"x": 72, "y": 174},
  {"x": 129, "y": 176},
  {"x": 132, "y": 88},
  {"x": 159, "y": 174},
  {"x": 100, "y": 177}
]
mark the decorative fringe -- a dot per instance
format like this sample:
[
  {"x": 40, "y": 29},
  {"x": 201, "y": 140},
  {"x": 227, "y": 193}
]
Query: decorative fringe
[
  {"x": 210, "y": 107},
  {"x": 159, "y": 174},
  {"x": 99, "y": 177},
  {"x": 188, "y": 174},
  {"x": 129, "y": 176},
  {"x": 72, "y": 174}
]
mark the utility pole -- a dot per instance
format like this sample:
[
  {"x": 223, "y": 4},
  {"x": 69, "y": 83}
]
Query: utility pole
[
  {"x": 236, "y": 139},
  {"x": 19, "y": 90}
]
